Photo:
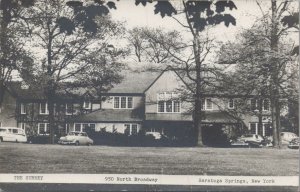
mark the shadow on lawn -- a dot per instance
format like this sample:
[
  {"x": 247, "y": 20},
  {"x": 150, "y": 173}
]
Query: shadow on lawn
[{"x": 141, "y": 140}]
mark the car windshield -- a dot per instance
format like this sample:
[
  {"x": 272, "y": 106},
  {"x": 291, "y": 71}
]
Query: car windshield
[
  {"x": 73, "y": 133},
  {"x": 2, "y": 130}
]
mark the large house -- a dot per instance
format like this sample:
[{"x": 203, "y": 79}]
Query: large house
[{"x": 144, "y": 101}]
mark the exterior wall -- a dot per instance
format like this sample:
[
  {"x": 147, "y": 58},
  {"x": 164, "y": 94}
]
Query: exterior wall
[
  {"x": 137, "y": 102},
  {"x": 32, "y": 118},
  {"x": 8, "y": 111},
  {"x": 167, "y": 82}
]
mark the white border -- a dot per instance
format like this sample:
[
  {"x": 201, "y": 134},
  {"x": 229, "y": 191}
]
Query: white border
[{"x": 147, "y": 179}]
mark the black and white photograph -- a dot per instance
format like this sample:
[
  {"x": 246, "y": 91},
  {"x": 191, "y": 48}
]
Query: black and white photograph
[{"x": 145, "y": 95}]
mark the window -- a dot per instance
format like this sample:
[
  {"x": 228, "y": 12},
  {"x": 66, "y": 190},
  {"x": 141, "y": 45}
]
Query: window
[
  {"x": 266, "y": 105},
  {"x": 161, "y": 106},
  {"x": 44, "y": 108},
  {"x": 129, "y": 102},
  {"x": 264, "y": 130},
  {"x": 176, "y": 106},
  {"x": 123, "y": 102},
  {"x": 23, "y": 108},
  {"x": 116, "y": 102},
  {"x": 83, "y": 127},
  {"x": 43, "y": 129},
  {"x": 92, "y": 126},
  {"x": 169, "y": 106},
  {"x": 254, "y": 104},
  {"x": 134, "y": 129},
  {"x": 131, "y": 129},
  {"x": 267, "y": 129},
  {"x": 231, "y": 104},
  {"x": 87, "y": 105},
  {"x": 77, "y": 127},
  {"x": 207, "y": 104},
  {"x": 67, "y": 128},
  {"x": 22, "y": 125},
  {"x": 168, "y": 103},
  {"x": 69, "y": 109},
  {"x": 127, "y": 129},
  {"x": 253, "y": 128}
]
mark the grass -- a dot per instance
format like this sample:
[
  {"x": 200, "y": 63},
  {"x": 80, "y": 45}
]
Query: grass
[{"x": 30, "y": 158}]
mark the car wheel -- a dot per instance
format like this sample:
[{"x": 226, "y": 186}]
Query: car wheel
[
  {"x": 17, "y": 141},
  {"x": 1, "y": 139},
  {"x": 77, "y": 143}
]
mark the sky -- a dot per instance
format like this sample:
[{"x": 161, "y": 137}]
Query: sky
[{"x": 246, "y": 13}]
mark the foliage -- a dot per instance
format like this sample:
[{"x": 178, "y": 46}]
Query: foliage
[
  {"x": 64, "y": 41},
  {"x": 153, "y": 45},
  {"x": 12, "y": 53}
]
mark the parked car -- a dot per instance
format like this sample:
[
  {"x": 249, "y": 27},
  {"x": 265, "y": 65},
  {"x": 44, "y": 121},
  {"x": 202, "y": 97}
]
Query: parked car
[
  {"x": 12, "y": 134},
  {"x": 249, "y": 140},
  {"x": 294, "y": 143},
  {"x": 156, "y": 135},
  {"x": 286, "y": 137},
  {"x": 76, "y": 138}
]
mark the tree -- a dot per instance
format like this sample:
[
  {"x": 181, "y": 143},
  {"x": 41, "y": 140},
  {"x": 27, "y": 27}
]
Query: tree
[
  {"x": 147, "y": 46},
  {"x": 103, "y": 73},
  {"x": 264, "y": 60},
  {"x": 12, "y": 54},
  {"x": 196, "y": 16},
  {"x": 63, "y": 38}
]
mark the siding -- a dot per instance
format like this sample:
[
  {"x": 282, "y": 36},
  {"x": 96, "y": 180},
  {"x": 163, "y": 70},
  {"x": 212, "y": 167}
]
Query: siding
[{"x": 167, "y": 82}]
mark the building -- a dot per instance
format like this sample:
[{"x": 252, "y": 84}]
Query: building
[{"x": 144, "y": 101}]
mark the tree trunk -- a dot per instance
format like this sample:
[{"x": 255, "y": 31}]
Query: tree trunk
[
  {"x": 198, "y": 96},
  {"x": 2, "y": 92},
  {"x": 274, "y": 76},
  {"x": 51, "y": 119},
  {"x": 260, "y": 107},
  {"x": 3, "y": 49}
]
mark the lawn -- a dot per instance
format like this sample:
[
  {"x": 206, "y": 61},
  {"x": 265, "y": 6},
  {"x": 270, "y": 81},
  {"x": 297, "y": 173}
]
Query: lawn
[{"x": 31, "y": 158}]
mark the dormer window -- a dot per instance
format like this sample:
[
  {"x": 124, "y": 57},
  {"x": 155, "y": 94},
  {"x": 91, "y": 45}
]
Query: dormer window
[
  {"x": 44, "y": 109},
  {"x": 87, "y": 105},
  {"x": 123, "y": 102}
]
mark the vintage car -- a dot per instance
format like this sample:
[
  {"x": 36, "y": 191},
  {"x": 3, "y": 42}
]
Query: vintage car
[
  {"x": 12, "y": 134},
  {"x": 249, "y": 140},
  {"x": 155, "y": 135},
  {"x": 76, "y": 138},
  {"x": 286, "y": 137},
  {"x": 294, "y": 143}
]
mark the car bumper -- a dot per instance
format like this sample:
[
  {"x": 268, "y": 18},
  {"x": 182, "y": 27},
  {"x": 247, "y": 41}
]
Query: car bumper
[
  {"x": 293, "y": 146},
  {"x": 66, "y": 142}
]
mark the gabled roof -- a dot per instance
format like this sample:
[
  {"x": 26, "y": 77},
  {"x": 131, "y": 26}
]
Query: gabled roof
[{"x": 135, "y": 82}]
